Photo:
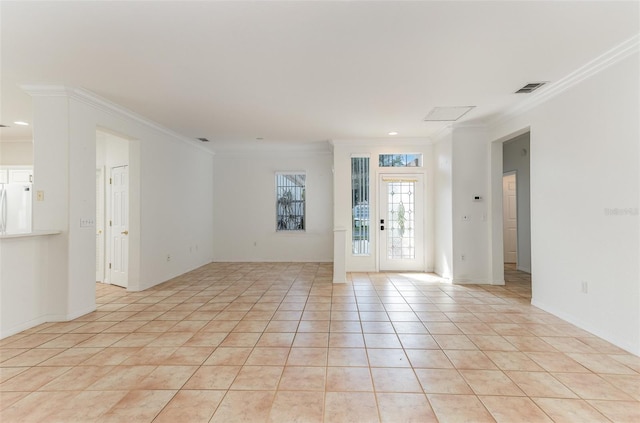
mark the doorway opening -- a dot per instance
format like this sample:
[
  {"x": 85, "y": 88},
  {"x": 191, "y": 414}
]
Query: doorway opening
[
  {"x": 516, "y": 204},
  {"x": 112, "y": 209}
]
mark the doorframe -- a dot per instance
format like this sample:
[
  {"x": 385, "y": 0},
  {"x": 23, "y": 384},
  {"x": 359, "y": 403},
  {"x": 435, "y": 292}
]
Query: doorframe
[
  {"x": 400, "y": 171},
  {"x": 101, "y": 201},
  {"x": 509, "y": 173},
  {"x": 496, "y": 231}
]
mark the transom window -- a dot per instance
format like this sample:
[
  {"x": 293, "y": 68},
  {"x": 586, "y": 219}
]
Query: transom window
[
  {"x": 400, "y": 160},
  {"x": 290, "y": 201}
]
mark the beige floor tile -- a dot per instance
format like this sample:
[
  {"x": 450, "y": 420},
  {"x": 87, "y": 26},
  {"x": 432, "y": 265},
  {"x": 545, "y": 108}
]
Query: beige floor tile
[
  {"x": 32, "y": 379},
  {"x": 569, "y": 410},
  {"x": 303, "y": 379},
  {"x": 406, "y": 408},
  {"x": 513, "y": 361},
  {"x": 167, "y": 377},
  {"x": 629, "y": 384},
  {"x": 350, "y": 407},
  {"x": 32, "y": 357},
  {"x": 244, "y": 407},
  {"x": 193, "y": 406},
  {"x": 268, "y": 356},
  {"x": 387, "y": 357},
  {"x": 442, "y": 381},
  {"x": 138, "y": 406},
  {"x": 459, "y": 408},
  {"x": 591, "y": 386},
  {"x": 87, "y": 406},
  {"x": 539, "y": 384},
  {"x": 9, "y": 398},
  {"x": 111, "y": 356},
  {"x": 258, "y": 378},
  {"x": 122, "y": 378},
  {"x": 241, "y": 339},
  {"x": 231, "y": 356},
  {"x": 35, "y": 407},
  {"x": 77, "y": 378},
  {"x": 556, "y": 362},
  {"x": 602, "y": 363},
  {"x": 428, "y": 359},
  {"x": 618, "y": 411},
  {"x": 348, "y": 357},
  {"x": 228, "y": 340},
  {"x": 305, "y": 407},
  {"x": 454, "y": 342},
  {"x": 490, "y": 382},
  {"x": 514, "y": 409},
  {"x": 395, "y": 380},
  {"x": 349, "y": 379},
  {"x": 470, "y": 360}
]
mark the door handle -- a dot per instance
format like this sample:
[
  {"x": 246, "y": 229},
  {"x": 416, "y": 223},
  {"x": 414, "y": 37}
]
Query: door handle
[
  {"x": 125, "y": 233},
  {"x": 382, "y": 227}
]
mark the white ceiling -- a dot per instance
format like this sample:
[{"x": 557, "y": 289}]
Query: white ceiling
[{"x": 300, "y": 71}]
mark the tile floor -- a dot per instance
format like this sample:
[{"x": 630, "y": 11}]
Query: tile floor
[{"x": 279, "y": 342}]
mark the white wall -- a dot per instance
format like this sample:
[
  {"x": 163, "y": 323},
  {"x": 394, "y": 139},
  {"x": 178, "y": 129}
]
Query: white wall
[
  {"x": 584, "y": 162},
  {"x": 471, "y": 219},
  {"x": 515, "y": 158},
  {"x": 343, "y": 150},
  {"x": 171, "y": 206},
  {"x": 244, "y": 210},
  {"x": 16, "y": 153},
  {"x": 443, "y": 230}
]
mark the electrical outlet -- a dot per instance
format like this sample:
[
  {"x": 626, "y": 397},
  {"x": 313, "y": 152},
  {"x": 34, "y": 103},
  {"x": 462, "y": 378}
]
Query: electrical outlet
[
  {"x": 584, "y": 287},
  {"x": 463, "y": 257},
  {"x": 168, "y": 257},
  {"x": 466, "y": 218}
]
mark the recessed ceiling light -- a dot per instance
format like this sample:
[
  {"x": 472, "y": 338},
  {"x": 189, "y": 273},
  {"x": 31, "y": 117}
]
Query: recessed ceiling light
[
  {"x": 21, "y": 123},
  {"x": 393, "y": 133},
  {"x": 447, "y": 114}
]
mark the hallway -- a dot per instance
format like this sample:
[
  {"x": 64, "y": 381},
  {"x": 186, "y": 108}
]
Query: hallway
[{"x": 279, "y": 342}]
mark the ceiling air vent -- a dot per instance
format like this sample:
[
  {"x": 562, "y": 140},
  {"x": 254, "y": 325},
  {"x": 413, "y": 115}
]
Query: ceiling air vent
[
  {"x": 447, "y": 114},
  {"x": 203, "y": 139},
  {"x": 4, "y": 126},
  {"x": 531, "y": 87}
]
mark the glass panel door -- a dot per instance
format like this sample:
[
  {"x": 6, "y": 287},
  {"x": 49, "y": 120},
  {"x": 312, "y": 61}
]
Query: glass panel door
[{"x": 401, "y": 221}]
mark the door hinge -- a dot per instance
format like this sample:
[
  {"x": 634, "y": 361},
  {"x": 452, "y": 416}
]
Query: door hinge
[
  {"x": 110, "y": 181},
  {"x": 110, "y": 224},
  {"x": 109, "y": 265}
]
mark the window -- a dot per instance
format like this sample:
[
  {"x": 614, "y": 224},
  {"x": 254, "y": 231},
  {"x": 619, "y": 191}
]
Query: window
[
  {"x": 400, "y": 160},
  {"x": 290, "y": 201},
  {"x": 360, "y": 205}
]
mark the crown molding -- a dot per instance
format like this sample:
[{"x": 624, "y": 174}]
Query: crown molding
[
  {"x": 386, "y": 141},
  {"x": 91, "y": 99},
  {"x": 597, "y": 65}
]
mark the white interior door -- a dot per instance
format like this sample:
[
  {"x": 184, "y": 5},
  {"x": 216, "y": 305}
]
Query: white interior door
[
  {"x": 401, "y": 222},
  {"x": 510, "y": 218},
  {"x": 119, "y": 234},
  {"x": 100, "y": 256}
]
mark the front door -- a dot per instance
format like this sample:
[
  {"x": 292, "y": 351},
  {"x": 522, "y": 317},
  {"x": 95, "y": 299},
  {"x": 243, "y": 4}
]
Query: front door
[
  {"x": 401, "y": 222},
  {"x": 119, "y": 257}
]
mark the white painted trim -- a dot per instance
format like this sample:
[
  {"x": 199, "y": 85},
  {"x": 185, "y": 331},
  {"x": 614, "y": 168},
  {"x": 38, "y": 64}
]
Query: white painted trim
[
  {"x": 597, "y": 65},
  {"x": 622, "y": 343},
  {"x": 384, "y": 142},
  {"x": 87, "y": 97}
]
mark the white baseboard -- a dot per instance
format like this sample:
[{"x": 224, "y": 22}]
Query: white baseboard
[{"x": 622, "y": 343}]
